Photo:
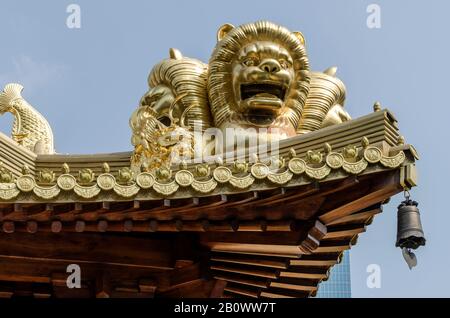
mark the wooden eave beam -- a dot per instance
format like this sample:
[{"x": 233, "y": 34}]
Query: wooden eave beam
[{"x": 378, "y": 193}]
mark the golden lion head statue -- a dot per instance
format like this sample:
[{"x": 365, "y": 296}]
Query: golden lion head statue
[
  {"x": 258, "y": 73},
  {"x": 258, "y": 78}
]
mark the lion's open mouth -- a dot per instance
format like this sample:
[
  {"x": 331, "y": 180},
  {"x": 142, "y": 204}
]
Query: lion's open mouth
[
  {"x": 263, "y": 101},
  {"x": 263, "y": 90}
]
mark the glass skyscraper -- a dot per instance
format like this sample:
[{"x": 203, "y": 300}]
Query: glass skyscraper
[{"x": 338, "y": 284}]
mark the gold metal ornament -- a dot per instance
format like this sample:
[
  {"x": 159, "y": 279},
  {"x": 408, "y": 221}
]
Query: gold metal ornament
[
  {"x": 25, "y": 183},
  {"x": 260, "y": 170},
  {"x": 106, "y": 181},
  {"x": 46, "y": 176},
  {"x": 30, "y": 129},
  {"x": 66, "y": 182},
  {"x": 222, "y": 174},
  {"x": 324, "y": 105},
  {"x": 125, "y": 176},
  {"x": 126, "y": 191},
  {"x": 87, "y": 192},
  {"x": 242, "y": 182},
  {"x": 6, "y": 176},
  {"x": 204, "y": 186},
  {"x": 253, "y": 80},
  {"x": 184, "y": 178},
  {"x": 8, "y": 191},
  {"x": 145, "y": 180},
  {"x": 86, "y": 176},
  {"x": 297, "y": 165},
  {"x": 237, "y": 178},
  {"x": 258, "y": 77},
  {"x": 280, "y": 178},
  {"x": 46, "y": 193}
]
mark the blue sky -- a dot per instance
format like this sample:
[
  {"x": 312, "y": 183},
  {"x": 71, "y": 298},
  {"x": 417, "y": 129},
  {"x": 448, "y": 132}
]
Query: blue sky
[{"x": 87, "y": 82}]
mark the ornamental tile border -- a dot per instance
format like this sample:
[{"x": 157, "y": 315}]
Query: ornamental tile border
[{"x": 222, "y": 175}]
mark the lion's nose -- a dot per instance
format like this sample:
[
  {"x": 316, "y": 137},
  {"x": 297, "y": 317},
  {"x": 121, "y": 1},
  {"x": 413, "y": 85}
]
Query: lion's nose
[{"x": 270, "y": 66}]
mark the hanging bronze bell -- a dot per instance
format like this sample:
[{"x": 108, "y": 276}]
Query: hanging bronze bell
[{"x": 409, "y": 228}]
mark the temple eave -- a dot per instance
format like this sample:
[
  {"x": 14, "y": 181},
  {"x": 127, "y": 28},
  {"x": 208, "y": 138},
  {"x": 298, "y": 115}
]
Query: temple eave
[{"x": 256, "y": 233}]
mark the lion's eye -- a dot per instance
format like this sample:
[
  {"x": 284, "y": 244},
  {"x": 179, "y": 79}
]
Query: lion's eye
[
  {"x": 284, "y": 63},
  {"x": 252, "y": 61}
]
